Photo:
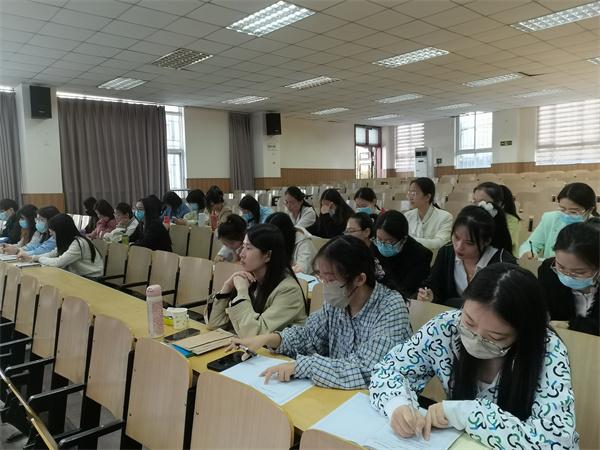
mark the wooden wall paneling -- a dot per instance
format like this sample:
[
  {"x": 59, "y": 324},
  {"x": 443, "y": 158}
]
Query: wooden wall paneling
[
  {"x": 516, "y": 167},
  {"x": 41, "y": 200},
  {"x": 205, "y": 183}
]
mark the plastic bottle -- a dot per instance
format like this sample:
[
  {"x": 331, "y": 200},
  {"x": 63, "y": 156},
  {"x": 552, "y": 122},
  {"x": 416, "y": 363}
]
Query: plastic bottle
[{"x": 155, "y": 310}]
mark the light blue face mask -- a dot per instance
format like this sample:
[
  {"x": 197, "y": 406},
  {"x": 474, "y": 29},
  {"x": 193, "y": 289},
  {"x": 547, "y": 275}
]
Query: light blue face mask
[
  {"x": 388, "y": 250},
  {"x": 3, "y": 215},
  {"x": 366, "y": 210},
  {"x": 247, "y": 217},
  {"x": 139, "y": 215},
  {"x": 578, "y": 284},
  {"x": 42, "y": 227},
  {"x": 571, "y": 218},
  {"x": 23, "y": 223},
  {"x": 194, "y": 206}
]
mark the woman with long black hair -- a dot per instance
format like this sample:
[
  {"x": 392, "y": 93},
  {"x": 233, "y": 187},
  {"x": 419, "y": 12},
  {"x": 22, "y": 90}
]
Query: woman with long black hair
[
  {"x": 504, "y": 370},
  {"x": 335, "y": 213},
  {"x": 300, "y": 211},
  {"x": 150, "y": 233}
]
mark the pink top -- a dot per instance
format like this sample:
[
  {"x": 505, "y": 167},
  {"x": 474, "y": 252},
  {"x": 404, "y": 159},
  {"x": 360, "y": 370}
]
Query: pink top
[{"x": 103, "y": 226}]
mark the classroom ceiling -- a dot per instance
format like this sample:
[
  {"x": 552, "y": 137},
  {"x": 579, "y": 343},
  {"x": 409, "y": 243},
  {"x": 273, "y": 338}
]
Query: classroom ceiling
[{"x": 76, "y": 45}]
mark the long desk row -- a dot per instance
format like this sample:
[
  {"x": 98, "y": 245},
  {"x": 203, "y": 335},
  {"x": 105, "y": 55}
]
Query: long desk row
[{"x": 304, "y": 410}]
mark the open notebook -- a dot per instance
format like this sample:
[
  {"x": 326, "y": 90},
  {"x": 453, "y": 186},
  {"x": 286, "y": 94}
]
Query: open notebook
[{"x": 205, "y": 342}]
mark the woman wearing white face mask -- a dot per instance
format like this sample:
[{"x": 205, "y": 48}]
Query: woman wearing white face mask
[
  {"x": 505, "y": 372},
  {"x": 570, "y": 280},
  {"x": 359, "y": 322}
]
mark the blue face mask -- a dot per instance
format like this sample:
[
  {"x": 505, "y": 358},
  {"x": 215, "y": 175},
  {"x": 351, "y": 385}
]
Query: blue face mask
[
  {"x": 571, "y": 218},
  {"x": 247, "y": 217},
  {"x": 23, "y": 223},
  {"x": 42, "y": 227},
  {"x": 139, "y": 215},
  {"x": 3, "y": 215},
  {"x": 194, "y": 206},
  {"x": 575, "y": 283},
  {"x": 388, "y": 250},
  {"x": 366, "y": 210}
]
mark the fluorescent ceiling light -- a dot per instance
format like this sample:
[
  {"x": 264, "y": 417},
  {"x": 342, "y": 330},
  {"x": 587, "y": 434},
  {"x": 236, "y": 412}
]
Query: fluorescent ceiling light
[
  {"x": 384, "y": 117},
  {"x": 6, "y": 89},
  {"x": 271, "y": 18},
  {"x": 245, "y": 100},
  {"x": 313, "y": 82},
  {"x": 595, "y": 60},
  {"x": 399, "y": 98},
  {"x": 61, "y": 94},
  {"x": 455, "y": 106},
  {"x": 182, "y": 57},
  {"x": 493, "y": 80},
  {"x": 121, "y": 84},
  {"x": 329, "y": 111},
  {"x": 538, "y": 93},
  {"x": 560, "y": 18},
  {"x": 412, "y": 57}
]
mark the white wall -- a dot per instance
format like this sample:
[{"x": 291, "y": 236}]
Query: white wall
[
  {"x": 267, "y": 149},
  {"x": 40, "y": 146},
  {"x": 207, "y": 143}
]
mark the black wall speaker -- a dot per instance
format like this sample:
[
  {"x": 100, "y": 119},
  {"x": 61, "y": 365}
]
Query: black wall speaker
[
  {"x": 41, "y": 106},
  {"x": 273, "y": 121}
]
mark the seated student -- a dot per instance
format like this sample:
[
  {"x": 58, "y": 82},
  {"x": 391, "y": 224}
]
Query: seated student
[
  {"x": 570, "y": 280},
  {"x": 366, "y": 202},
  {"x": 301, "y": 212},
  {"x": 26, "y": 216},
  {"x": 298, "y": 243},
  {"x": 126, "y": 223},
  {"x": 334, "y": 215},
  {"x": 252, "y": 212},
  {"x": 173, "y": 206},
  {"x": 576, "y": 203},
  {"x": 266, "y": 296},
  {"x": 11, "y": 230},
  {"x": 73, "y": 252},
  {"x": 150, "y": 231},
  {"x": 502, "y": 196},
  {"x": 197, "y": 203},
  {"x": 231, "y": 233},
  {"x": 429, "y": 225},
  {"x": 479, "y": 238},
  {"x": 359, "y": 322},
  {"x": 46, "y": 242},
  {"x": 360, "y": 225},
  {"x": 88, "y": 205},
  {"x": 404, "y": 261},
  {"x": 106, "y": 220},
  {"x": 215, "y": 205},
  {"x": 504, "y": 370}
]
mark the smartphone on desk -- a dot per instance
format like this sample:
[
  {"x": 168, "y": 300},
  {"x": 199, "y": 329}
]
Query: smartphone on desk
[
  {"x": 227, "y": 361},
  {"x": 188, "y": 332}
]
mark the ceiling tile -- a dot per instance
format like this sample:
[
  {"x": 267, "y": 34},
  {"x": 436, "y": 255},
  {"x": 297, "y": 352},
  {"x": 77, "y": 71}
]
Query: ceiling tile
[
  {"x": 13, "y": 22},
  {"x": 496, "y": 34},
  {"x": 111, "y": 40},
  {"x": 294, "y": 51},
  {"x": 318, "y": 23},
  {"x": 216, "y": 15},
  {"x": 247, "y": 6},
  {"x": 419, "y": 8},
  {"x": 169, "y": 38},
  {"x": 493, "y": 6},
  {"x": 178, "y": 7},
  {"x": 105, "y": 8},
  {"x": 290, "y": 35},
  {"x": 263, "y": 45},
  {"x": 320, "y": 43},
  {"x": 65, "y": 32},
  {"x": 88, "y": 21},
  {"x": 350, "y": 32},
  {"x": 52, "y": 42},
  {"x": 83, "y": 59},
  {"x": 149, "y": 17},
  {"x": 349, "y": 49},
  {"x": 204, "y": 46},
  {"x": 62, "y": 64},
  {"x": 412, "y": 29},
  {"x": 385, "y": 20},
  {"x": 451, "y": 17},
  {"x": 225, "y": 36},
  {"x": 354, "y": 10},
  {"x": 97, "y": 50},
  {"x": 191, "y": 27},
  {"x": 521, "y": 13},
  {"x": 321, "y": 58},
  {"x": 29, "y": 9},
  {"x": 478, "y": 25},
  {"x": 317, "y": 5},
  {"x": 8, "y": 46},
  {"x": 241, "y": 53},
  {"x": 14, "y": 36},
  {"x": 152, "y": 48},
  {"x": 33, "y": 50}
]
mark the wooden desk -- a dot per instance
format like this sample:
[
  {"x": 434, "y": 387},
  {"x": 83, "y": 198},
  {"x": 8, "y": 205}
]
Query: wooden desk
[{"x": 304, "y": 411}]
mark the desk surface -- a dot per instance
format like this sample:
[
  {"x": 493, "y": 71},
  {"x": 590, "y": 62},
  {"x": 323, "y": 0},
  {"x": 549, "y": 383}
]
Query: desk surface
[{"x": 304, "y": 411}]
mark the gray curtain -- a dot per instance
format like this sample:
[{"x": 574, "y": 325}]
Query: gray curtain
[
  {"x": 241, "y": 157},
  {"x": 10, "y": 154},
  {"x": 110, "y": 150}
]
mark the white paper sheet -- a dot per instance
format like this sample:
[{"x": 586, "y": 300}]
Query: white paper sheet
[
  {"x": 357, "y": 421},
  {"x": 8, "y": 257},
  {"x": 248, "y": 372}
]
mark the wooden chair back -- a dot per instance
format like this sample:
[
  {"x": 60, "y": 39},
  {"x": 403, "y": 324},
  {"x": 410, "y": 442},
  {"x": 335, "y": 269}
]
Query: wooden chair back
[
  {"x": 320, "y": 440},
  {"x": 319, "y": 242},
  {"x": 223, "y": 270},
  {"x": 11, "y": 293},
  {"x": 116, "y": 261},
  {"x": 194, "y": 279},
  {"x": 72, "y": 345},
  {"x": 585, "y": 365},
  {"x": 102, "y": 247},
  {"x": 316, "y": 299},
  {"x": 420, "y": 313},
  {"x": 28, "y": 295},
  {"x": 165, "y": 266},
  {"x": 107, "y": 374},
  {"x": 139, "y": 260},
  {"x": 253, "y": 420},
  {"x": 158, "y": 397},
  {"x": 216, "y": 246},
  {"x": 199, "y": 244},
  {"x": 3, "y": 270},
  {"x": 179, "y": 238},
  {"x": 44, "y": 334},
  {"x": 530, "y": 264}
]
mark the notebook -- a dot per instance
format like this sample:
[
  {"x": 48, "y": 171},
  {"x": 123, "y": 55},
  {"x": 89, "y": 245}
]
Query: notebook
[
  {"x": 205, "y": 342},
  {"x": 8, "y": 257}
]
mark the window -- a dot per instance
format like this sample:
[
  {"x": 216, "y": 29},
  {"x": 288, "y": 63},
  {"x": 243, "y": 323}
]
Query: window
[
  {"x": 568, "y": 133},
  {"x": 474, "y": 140},
  {"x": 175, "y": 147},
  {"x": 408, "y": 137},
  {"x": 367, "y": 146}
]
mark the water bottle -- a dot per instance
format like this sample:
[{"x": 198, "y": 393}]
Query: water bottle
[
  {"x": 125, "y": 240},
  {"x": 155, "y": 310}
]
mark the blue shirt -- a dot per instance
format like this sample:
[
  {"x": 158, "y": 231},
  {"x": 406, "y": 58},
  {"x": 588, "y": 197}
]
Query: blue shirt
[
  {"x": 179, "y": 212},
  {"x": 265, "y": 212},
  {"x": 39, "y": 248}
]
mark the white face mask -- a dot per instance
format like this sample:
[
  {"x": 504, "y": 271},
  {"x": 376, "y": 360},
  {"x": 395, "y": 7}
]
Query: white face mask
[
  {"x": 335, "y": 294},
  {"x": 479, "y": 347}
]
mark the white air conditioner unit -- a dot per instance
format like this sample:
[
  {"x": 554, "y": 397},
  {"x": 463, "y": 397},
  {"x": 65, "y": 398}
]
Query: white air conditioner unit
[{"x": 423, "y": 162}]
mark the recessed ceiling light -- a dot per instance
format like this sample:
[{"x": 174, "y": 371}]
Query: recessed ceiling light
[
  {"x": 271, "y": 18},
  {"x": 245, "y": 100},
  {"x": 121, "y": 84},
  {"x": 181, "y": 57},
  {"x": 399, "y": 98},
  {"x": 6, "y": 89},
  {"x": 538, "y": 93},
  {"x": 384, "y": 117},
  {"x": 493, "y": 80},
  {"x": 313, "y": 82},
  {"x": 412, "y": 57},
  {"x": 595, "y": 60},
  {"x": 560, "y": 18},
  {"x": 455, "y": 106},
  {"x": 329, "y": 111}
]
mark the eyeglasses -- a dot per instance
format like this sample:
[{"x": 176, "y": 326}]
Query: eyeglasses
[
  {"x": 352, "y": 230},
  {"x": 562, "y": 271},
  {"x": 378, "y": 242},
  {"x": 489, "y": 345}
]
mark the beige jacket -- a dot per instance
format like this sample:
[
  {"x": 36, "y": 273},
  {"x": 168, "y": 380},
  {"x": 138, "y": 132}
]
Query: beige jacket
[{"x": 284, "y": 307}]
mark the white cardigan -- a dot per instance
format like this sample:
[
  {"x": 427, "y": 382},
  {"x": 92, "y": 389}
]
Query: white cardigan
[
  {"x": 433, "y": 231},
  {"x": 306, "y": 218},
  {"x": 76, "y": 259},
  {"x": 304, "y": 251}
]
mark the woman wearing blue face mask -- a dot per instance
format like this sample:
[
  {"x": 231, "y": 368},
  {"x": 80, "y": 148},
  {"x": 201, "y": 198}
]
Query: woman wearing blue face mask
[
  {"x": 174, "y": 206},
  {"x": 252, "y": 212},
  {"x": 366, "y": 202},
  {"x": 570, "y": 280},
  {"x": 43, "y": 241},
  {"x": 11, "y": 231},
  {"x": 576, "y": 203},
  {"x": 26, "y": 216},
  {"x": 150, "y": 232},
  {"x": 404, "y": 261}
]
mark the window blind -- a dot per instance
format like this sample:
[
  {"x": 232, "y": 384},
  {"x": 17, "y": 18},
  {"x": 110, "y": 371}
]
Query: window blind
[{"x": 408, "y": 137}]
